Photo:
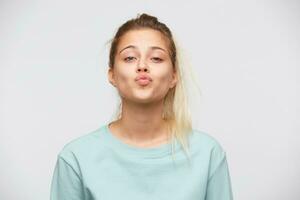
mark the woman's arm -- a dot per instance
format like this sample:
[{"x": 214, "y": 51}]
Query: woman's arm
[
  {"x": 219, "y": 183},
  {"x": 66, "y": 182}
]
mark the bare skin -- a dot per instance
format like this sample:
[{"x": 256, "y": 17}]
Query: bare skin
[{"x": 141, "y": 123}]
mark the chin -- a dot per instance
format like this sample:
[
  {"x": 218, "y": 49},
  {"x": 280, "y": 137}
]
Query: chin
[{"x": 142, "y": 98}]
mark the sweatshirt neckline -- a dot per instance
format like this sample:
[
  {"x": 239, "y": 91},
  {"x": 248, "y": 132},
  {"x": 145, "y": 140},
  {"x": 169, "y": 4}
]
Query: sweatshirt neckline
[{"x": 144, "y": 152}]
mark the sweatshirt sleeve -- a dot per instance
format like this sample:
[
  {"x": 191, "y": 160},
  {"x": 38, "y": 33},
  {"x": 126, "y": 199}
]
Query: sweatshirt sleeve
[
  {"x": 219, "y": 182},
  {"x": 66, "y": 183}
]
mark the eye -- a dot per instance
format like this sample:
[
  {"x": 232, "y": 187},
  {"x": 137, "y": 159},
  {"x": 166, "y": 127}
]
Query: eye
[
  {"x": 157, "y": 59},
  {"x": 129, "y": 58}
]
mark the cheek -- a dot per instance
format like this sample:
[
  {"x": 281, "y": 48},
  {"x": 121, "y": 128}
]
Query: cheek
[
  {"x": 164, "y": 77},
  {"x": 123, "y": 76},
  {"x": 162, "y": 84},
  {"x": 124, "y": 81}
]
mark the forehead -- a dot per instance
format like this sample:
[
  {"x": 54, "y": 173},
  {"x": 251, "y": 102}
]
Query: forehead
[{"x": 143, "y": 38}]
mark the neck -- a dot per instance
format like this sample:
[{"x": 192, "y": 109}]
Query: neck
[{"x": 142, "y": 123}]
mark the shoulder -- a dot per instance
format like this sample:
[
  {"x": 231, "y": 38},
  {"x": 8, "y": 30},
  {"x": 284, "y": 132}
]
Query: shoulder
[
  {"x": 203, "y": 139},
  {"x": 82, "y": 146},
  {"x": 207, "y": 146}
]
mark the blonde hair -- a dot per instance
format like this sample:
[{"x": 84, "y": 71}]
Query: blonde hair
[{"x": 176, "y": 111}]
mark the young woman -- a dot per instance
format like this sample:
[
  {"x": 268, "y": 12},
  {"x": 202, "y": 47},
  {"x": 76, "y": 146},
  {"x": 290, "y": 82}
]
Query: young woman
[{"x": 151, "y": 150}]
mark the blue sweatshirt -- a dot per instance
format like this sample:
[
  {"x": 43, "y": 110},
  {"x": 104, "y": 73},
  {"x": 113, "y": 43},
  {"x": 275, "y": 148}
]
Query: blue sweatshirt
[{"x": 100, "y": 166}]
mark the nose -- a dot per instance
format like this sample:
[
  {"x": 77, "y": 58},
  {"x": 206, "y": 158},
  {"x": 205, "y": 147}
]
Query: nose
[{"x": 142, "y": 67}]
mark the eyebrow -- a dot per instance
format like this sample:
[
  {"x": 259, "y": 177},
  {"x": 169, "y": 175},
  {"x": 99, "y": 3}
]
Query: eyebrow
[{"x": 135, "y": 47}]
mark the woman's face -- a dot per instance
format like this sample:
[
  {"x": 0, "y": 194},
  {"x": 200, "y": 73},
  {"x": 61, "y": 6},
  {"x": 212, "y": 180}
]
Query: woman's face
[{"x": 142, "y": 52}]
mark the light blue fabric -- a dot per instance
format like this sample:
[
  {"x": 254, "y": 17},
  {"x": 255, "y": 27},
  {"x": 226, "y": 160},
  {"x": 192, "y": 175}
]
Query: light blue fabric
[{"x": 99, "y": 166}]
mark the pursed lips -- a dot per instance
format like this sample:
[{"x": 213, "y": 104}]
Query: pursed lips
[{"x": 143, "y": 80}]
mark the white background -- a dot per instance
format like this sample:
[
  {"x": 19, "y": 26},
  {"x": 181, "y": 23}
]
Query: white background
[{"x": 54, "y": 85}]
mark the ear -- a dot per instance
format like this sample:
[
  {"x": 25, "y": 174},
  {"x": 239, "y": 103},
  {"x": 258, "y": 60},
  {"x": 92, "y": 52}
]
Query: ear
[
  {"x": 111, "y": 76},
  {"x": 174, "y": 79}
]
